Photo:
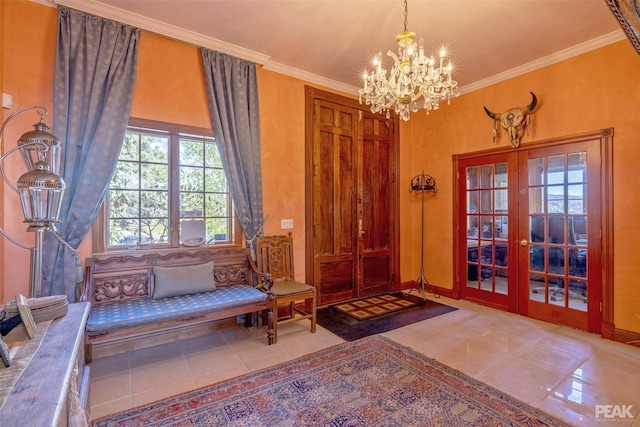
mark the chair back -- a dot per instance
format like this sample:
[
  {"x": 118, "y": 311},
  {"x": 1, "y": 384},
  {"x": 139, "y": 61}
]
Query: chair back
[{"x": 275, "y": 256}]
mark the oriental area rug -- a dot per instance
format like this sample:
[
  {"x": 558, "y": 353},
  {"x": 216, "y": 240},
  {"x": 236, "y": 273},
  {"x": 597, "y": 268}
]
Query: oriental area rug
[
  {"x": 349, "y": 328},
  {"x": 369, "y": 382}
]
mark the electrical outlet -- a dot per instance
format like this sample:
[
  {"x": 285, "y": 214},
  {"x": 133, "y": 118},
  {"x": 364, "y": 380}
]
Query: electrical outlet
[
  {"x": 7, "y": 101},
  {"x": 286, "y": 224}
]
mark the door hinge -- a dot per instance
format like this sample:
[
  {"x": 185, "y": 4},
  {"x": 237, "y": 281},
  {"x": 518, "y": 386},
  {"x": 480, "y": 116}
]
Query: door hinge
[
  {"x": 600, "y": 306},
  {"x": 315, "y": 229}
]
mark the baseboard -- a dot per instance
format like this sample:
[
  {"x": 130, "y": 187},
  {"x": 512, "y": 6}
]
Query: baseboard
[{"x": 627, "y": 337}]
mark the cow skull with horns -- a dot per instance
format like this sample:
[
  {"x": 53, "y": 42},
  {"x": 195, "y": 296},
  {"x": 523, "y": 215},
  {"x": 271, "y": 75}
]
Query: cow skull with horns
[{"x": 514, "y": 120}]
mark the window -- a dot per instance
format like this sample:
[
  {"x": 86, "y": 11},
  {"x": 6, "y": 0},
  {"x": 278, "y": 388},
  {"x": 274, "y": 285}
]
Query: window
[{"x": 168, "y": 188}]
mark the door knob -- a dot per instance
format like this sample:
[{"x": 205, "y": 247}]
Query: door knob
[{"x": 524, "y": 242}]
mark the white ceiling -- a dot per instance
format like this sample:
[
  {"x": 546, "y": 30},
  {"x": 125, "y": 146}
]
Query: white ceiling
[{"x": 330, "y": 41}]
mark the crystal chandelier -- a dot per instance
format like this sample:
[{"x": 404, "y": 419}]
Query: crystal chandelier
[{"x": 414, "y": 81}]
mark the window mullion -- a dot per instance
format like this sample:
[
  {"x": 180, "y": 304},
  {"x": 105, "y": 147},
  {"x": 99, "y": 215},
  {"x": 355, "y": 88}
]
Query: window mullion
[{"x": 174, "y": 189}]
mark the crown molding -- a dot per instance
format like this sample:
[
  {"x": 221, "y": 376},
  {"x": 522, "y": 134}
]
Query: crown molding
[
  {"x": 310, "y": 77},
  {"x": 556, "y": 57},
  {"x": 49, "y": 3},
  {"x": 177, "y": 33},
  {"x": 171, "y": 31},
  {"x": 164, "y": 29}
]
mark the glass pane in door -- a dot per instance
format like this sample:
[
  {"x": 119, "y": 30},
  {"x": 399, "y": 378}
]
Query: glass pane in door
[
  {"x": 557, "y": 241},
  {"x": 487, "y": 227}
]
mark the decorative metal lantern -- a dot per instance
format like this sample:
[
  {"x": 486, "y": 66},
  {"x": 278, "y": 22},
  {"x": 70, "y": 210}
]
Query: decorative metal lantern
[
  {"x": 41, "y": 194},
  {"x": 31, "y": 153}
]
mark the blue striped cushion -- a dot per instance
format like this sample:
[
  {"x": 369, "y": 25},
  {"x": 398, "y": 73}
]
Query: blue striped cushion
[{"x": 136, "y": 312}]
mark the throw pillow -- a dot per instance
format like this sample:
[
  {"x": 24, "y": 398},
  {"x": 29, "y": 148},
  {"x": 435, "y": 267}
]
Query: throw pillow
[{"x": 183, "y": 280}]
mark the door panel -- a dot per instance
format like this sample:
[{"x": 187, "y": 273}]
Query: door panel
[
  {"x": 560, "y": 228},
  {"x": 334, "y": 207},
  {"x": 488, "y": 239},
  {"x": 353, "y": 201},
  {"x": 376, "y": 275}
]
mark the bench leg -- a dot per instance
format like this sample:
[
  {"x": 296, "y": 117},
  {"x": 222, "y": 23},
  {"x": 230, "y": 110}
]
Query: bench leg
[
  {"x": 88, "y": 356},
  {"x": 248, "y": 320}
]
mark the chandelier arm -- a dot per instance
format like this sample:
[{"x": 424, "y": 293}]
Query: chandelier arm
[{"x": 395, "y": 59}]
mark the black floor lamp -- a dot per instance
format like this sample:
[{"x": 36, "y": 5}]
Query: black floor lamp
[{"x": 422, "y": 183}]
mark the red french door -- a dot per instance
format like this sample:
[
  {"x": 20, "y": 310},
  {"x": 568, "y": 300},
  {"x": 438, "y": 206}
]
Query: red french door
[
  {"x": 487, "y": 266},
  {"x": 559, "y": 246},
  {"x": 529, "y": 227}
]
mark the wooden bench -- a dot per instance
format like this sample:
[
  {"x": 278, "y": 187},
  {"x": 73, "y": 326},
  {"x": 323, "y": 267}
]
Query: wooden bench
[{"x": 126, "y": 316}]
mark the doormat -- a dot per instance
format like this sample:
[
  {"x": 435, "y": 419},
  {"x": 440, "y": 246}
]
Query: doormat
[
  {"x": 350, "y": 329},
  {"x": 379, "y": 305}
]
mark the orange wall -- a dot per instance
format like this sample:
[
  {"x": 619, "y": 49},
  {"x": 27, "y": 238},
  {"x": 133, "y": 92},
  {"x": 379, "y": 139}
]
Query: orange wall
[
  {"x": 28, "y": 44},
  {"x": 595, "y": 90},
  {"x": 282, "y": 119},
  {"x": 170, "y": 86}
]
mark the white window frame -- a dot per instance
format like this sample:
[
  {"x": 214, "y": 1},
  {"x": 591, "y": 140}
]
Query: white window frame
[{"x": 174, "y": 132}]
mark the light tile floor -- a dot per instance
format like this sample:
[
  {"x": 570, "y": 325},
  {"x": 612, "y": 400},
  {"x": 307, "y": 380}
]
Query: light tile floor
[{"x": 563, "y": 371}]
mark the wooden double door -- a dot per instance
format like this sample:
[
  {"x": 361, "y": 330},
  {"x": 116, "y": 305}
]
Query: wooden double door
[
  {"x": 352, "y": 198},
  {"x": 533, "y": 230}
]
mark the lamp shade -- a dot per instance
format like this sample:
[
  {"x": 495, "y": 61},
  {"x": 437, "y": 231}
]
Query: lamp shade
[
  {"x": 41, "y": 194},
  {"x": 31, "y": 153}
]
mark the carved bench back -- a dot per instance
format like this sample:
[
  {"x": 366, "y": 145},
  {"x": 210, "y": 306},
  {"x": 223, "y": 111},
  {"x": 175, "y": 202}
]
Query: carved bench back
[{"x": 122, "y": 277}]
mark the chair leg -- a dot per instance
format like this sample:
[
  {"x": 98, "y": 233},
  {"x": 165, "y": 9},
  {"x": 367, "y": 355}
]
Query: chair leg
[
  {"x": 270, "y": 326},
  {"x": 275, "y": 324},
  {"x": 313, "y": 314}
]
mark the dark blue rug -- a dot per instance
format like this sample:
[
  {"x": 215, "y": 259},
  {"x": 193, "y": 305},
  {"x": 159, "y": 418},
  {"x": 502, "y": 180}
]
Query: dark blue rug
[{"x": 350, "y": 329}]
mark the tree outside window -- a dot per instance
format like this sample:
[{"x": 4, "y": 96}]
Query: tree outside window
[{"x": 162, "y": 179}]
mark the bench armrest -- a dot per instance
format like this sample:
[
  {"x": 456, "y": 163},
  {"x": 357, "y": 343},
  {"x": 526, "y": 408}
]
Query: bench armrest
[{"x": 86, "y": 285}]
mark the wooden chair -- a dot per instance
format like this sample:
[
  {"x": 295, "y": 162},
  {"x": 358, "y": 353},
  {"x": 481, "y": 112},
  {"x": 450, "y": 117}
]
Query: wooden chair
[{"x": 275, "y": 256}]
